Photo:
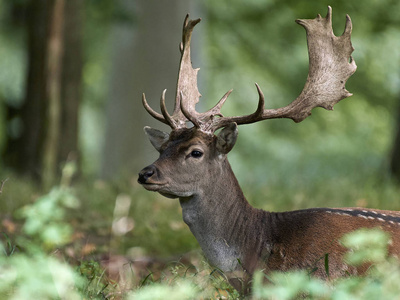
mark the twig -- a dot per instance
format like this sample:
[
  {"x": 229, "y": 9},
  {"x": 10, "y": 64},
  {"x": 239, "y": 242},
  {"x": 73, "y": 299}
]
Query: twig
[{"x": 2, "y": 184}]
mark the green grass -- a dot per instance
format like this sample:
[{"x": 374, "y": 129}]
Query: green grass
[{"x": 82, "y": 231}]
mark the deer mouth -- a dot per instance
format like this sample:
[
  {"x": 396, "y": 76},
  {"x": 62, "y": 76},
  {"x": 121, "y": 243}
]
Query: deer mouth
[
  {"x": 153, "y": 186},
  {"x": 160, "y": 188}
]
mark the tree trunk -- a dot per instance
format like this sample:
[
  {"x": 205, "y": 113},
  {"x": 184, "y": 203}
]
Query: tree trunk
[
  {"x": 145, "y": 58},
  {"x": 53, "y": 93},
  {"x": 28, "y": 148},
  {"x": 71, "y": 88},
  {"x": 49, "y": 115}
]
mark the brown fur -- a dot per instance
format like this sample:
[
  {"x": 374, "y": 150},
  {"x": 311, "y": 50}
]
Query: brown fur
[{"x": 238, "y": 238}]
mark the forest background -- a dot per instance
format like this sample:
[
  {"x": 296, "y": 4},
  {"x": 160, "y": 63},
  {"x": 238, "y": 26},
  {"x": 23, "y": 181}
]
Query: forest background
[{"x": 71, "y": 78}]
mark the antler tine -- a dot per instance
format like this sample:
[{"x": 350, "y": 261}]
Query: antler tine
[
  {"x": 348, "y": 27},
  {"x": 216, "y": 123},
  {"x": 260, "y": 108},
  {"x": 329, "y": 16},
  {"x": 216, "y": 110},
  {"x": 190, "y": 115},
  {"x": 331, "y": 65},
  {"x": 153, "y": 113},
  {"x": 204, "y": 121},
  {"x": 165, "y": 113}
]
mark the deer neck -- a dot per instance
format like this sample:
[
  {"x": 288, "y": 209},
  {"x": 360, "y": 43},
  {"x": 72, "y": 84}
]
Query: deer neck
[{"x": 224, "y": 223}]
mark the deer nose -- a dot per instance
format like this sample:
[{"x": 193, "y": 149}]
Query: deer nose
[{"x": 145, "y": 174}]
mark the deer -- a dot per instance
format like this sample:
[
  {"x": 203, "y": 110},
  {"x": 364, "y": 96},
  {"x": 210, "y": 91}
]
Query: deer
[{"x": 193, "y": 166}]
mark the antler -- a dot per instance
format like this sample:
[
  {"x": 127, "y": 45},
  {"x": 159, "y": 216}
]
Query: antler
[
  {"x": 186, "y": 86},
  {"x": 331, "y": 65},
  {"x": 184, "y": 110}
]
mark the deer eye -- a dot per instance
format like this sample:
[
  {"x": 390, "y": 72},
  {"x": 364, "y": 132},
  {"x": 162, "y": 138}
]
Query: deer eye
[{"x": 196, "y": 154}]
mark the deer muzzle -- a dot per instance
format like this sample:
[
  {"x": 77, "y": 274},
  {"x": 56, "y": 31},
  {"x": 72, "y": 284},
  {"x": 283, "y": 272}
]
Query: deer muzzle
[{"x": 146, "y": 174}]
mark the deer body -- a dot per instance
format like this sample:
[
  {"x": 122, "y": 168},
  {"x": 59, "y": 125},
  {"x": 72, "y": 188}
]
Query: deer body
[
  {"x": 235, "y": 236},
  {"x": 193, "y": 167}
]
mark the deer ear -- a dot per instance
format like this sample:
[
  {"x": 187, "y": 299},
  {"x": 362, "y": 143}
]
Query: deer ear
[
  {"x": 226, "y": 139},
  {"x": 157, "y": 137}
]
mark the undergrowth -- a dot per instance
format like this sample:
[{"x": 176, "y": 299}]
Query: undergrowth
[{"x": 41, "y": 257}]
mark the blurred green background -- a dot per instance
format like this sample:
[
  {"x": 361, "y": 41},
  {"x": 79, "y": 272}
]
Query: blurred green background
[{"x": 80, "y": 102}]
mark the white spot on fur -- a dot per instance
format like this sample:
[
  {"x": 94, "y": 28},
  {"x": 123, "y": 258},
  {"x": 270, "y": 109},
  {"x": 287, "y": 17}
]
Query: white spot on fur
[{"x": 344, "y": 214}]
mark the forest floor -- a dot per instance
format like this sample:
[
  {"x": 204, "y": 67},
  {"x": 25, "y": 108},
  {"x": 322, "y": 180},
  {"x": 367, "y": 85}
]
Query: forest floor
[{"x": 125, "y": 237}]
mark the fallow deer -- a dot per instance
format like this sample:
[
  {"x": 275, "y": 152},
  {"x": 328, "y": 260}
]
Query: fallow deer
[{"x": 193, "y": 167}]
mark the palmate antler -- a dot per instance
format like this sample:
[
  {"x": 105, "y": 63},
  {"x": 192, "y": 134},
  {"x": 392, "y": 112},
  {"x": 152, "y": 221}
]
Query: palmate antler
[
  {"x": 330, "y": 66},
  {"x": 186, "y": 86}
]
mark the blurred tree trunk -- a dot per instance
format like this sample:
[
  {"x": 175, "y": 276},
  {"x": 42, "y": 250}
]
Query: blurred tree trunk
[
  {"x": 49, "y": 113},
  {"x": 145, "y": 59},
  {"x": 395, "y": 158},
  {"x": 71, "y": 82},
  {"x": 55, "y": 44},
  {"x": 27, "y": 152}
]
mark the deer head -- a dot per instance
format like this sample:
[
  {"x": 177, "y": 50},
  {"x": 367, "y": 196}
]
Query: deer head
[
  {"x": 186, "y": 156},
  {"x": 185, "y": 152}
]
